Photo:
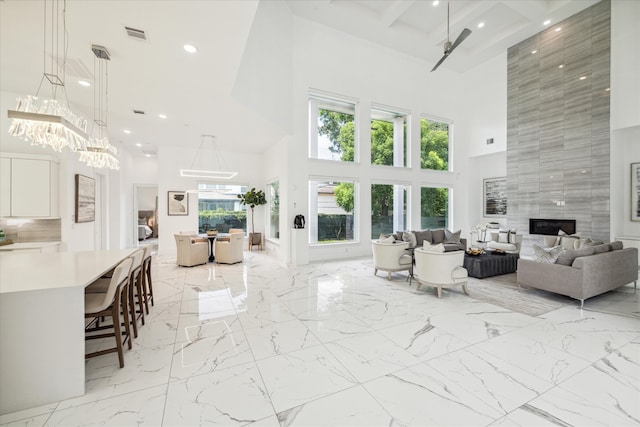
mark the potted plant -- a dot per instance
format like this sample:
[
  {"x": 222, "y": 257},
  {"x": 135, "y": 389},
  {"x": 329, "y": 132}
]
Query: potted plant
[{"x": 253, "y": 198}]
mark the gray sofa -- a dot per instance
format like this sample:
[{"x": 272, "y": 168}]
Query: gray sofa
[{"x": 587, "y": 277}]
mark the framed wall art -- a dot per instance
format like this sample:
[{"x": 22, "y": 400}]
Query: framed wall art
[
  {"x": 495, "y": 196},
  {"x": 85, "y": 199},
  {"x": 178, "y": 203},
  {"x": 635, "y": 191}
]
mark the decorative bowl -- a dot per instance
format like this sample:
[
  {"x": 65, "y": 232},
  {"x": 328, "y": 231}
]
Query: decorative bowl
[
  {"x": 212, "y": 232},
  {"x": 475, "y": 251}
]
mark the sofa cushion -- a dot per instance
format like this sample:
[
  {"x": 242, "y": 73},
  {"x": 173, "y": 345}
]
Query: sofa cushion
[
  {"x": 452, "y": 236},
  {"x": 502, "y": 246},
  {"x": 408, "y": 236},
  {"x": 567, "y": 257},
  {"x": 615, "y": 246},
  {"x": 450, "y": 247},
  {"x": 399, "y": 235},
  {"x": 422, "y": 236},
  {"x": 598, "y": 249},
  {"x": 437, "y": 236},
  {"x": 546, "y": 256}
]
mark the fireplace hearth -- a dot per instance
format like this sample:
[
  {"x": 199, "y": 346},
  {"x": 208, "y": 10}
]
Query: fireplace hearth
[{"x": 550, "y": 227}]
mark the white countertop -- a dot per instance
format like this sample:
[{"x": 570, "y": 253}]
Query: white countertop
[
  {"x": 27, "y": 245},
  {"x": 35, "y": 271}
]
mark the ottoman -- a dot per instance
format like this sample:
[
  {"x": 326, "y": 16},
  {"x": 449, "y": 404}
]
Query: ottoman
[{"x": 490, "y": 264}]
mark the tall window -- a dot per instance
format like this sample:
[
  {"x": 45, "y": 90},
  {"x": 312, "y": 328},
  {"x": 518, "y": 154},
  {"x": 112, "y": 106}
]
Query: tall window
[
  {"x": 274, "y": 209},
  {"x": 388, "y": 138},
  {"x": 220, "y": 208},
  {"x": 331, "y": 211},
  {"x": 388, "y": 209},
  {"x": 434, "y": 207},
  {"x": 332, "y": 129},
  {"x": 434, "y": 145}
]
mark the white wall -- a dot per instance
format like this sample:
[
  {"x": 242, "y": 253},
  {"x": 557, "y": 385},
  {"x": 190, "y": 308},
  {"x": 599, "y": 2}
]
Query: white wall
[{"x": 275, "y": 163}]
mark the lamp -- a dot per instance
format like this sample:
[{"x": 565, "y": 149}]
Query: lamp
[
  {"x": 99, "y": 153},
  {"x": 49, "y": 122},
  {"x": 215, "y": 171}
]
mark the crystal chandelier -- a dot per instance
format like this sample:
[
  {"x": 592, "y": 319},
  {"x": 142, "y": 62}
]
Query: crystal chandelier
[
  {"x": 202, "y": 168},
  {"x": 50, "y": 122},
  {"x": 99, "y": 153}
]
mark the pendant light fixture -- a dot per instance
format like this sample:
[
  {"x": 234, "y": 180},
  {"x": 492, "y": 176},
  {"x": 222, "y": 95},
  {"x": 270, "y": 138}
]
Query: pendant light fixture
[
  {"x": 50, "y": 122},
  {"x": 209, "y": 165}
]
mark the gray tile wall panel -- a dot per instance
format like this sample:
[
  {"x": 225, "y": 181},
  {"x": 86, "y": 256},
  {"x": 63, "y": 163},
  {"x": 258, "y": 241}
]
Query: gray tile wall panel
[{"x": 558, "y": 137}]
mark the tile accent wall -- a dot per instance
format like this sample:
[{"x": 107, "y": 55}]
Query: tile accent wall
[
  {"x": 23, "y": 230},
  {"x": 558, "y": 124}
]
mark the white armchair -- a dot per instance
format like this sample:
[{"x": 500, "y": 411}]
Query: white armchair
[
  {"x": 192, "y": 250},
  {"x": 391, "y": 257},
  {"x": 229, "y": 250},
  {"x": 440, "y": 269}
]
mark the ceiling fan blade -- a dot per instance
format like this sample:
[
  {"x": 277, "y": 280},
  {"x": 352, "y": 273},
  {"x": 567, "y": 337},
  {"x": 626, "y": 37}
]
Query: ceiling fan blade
[
  {"x": 440, "y": 62},
  {"x": 463, "y": 35}
]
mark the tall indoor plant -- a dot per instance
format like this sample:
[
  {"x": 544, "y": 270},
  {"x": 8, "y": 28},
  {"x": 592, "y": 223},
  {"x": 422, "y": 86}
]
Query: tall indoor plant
[{"x": 253, "y": 198}]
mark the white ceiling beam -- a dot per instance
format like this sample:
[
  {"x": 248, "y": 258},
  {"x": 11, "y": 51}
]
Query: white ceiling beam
[
  {"x": 533, "y": 11},
  {"x": 466, "y": 14},
  {"x": 394, "y": 11}
]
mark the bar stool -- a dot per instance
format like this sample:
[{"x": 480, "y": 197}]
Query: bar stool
[
  {"x": 146, "y": 276},
  {"x": 108, "y": 303},
  {"x": 135, "y": 290}
]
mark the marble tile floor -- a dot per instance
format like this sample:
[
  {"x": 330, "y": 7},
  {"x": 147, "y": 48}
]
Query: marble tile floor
[{"x": 331, "y": 344}]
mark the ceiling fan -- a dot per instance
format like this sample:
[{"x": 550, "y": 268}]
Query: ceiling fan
[{"x": 448, "y": 46}]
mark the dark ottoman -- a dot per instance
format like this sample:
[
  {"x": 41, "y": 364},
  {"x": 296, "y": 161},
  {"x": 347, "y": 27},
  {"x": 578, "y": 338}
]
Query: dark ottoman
[{"x": 490, "y": 264}]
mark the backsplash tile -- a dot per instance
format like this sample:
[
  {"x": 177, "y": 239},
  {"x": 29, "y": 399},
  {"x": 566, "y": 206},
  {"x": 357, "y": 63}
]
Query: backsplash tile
[{"x": 23, "y": 230}]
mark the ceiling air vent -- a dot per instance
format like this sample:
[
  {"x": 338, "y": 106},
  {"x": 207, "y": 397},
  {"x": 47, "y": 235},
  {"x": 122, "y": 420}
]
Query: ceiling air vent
[
  {"x": 138, "y": 112},
  {"x": 134, "y": 33}
]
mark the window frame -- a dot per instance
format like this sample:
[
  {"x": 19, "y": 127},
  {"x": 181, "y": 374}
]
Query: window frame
[
  {"x": 340, "y": 104},
  {"x": 450, "y": 133},
  {"x": 270, "y": 209},
  {"x": 312, "y": 221},
  {"x": 378, "y": 110}
]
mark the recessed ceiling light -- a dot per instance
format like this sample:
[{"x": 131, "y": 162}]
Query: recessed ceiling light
[
  {"x": 162, "y": 116},
  {"x": 547, "y": 22},
  {"x": 583, "y": 171},
  {"x": 190, "y": 48},
  {"x": 138, "y": 144},
  {"x": 561, "y": 66},
  {"x": 481, "y": 24},
  {"x": 436, "y": 2},
  {"x": 583, "y": 77},
  {"x": 558, "y": 29},
  {"x": 608, "y": 89},
  {"x": 127, "y": 131},
  {"x": 84, "y": 83},
  {"x": 533, "y": 52},
  {"x": 147, "y": 155}
]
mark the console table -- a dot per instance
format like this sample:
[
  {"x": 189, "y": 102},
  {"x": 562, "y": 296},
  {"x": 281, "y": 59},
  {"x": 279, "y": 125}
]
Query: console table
[{"x": 490, "y": 264}]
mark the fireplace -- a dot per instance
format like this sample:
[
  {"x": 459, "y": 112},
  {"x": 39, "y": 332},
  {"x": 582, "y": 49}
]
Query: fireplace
[{"x": 551, "y": 227}]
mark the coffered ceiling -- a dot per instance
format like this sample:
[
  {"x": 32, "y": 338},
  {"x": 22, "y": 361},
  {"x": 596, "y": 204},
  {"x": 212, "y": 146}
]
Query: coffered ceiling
[{"x": 195, "y": 91}]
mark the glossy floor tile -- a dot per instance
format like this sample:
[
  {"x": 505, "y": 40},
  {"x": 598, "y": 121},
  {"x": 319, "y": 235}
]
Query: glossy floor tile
[{"x": 330, "y": 344}]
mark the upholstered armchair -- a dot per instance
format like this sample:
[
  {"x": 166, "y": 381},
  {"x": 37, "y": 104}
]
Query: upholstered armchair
[
  {"x": 440, "y": 269},
  {"x": 192, "y": 250},
  {"x": 391, "y": 257},
  {"x": 229, "y": 250}
]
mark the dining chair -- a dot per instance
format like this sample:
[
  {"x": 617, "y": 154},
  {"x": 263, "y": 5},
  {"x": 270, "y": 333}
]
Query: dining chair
[
  {"x": 135, "y": 291},
  {"x": 109, "y": 303}
]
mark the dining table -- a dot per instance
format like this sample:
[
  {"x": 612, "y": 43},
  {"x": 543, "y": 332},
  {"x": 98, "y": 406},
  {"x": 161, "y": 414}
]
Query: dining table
[{"x": 42, "y": 345}]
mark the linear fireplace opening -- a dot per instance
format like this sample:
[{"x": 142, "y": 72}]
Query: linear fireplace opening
[{"x": 550, "y": 227}]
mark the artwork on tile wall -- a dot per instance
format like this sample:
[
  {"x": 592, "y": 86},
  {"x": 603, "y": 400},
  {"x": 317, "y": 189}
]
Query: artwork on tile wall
[
  {"x": 178, "y": 203},
  {"x": 85, "y": 199},
  {"x": 495, "y": 197},
  {"x": 635, "y": 191}
]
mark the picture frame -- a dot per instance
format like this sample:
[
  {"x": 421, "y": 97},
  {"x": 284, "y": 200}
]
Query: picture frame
[
  {"x": 495, "y": 197},
  {"x": 178, "y": 203},
  {"x": 635, "y": 191},
  {"x": 85, "y": 199}
]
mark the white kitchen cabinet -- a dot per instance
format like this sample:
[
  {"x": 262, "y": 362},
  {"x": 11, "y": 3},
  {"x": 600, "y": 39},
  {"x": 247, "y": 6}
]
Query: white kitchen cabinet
[{"x": 28, "y": 186}]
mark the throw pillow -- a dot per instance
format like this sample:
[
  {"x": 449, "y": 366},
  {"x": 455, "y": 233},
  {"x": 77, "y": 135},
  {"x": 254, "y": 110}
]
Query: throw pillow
[
  {"x": 569, "y": 242},
  {"x": 547, "y": 256},
  {"x": 437, "y": 235},
  {"x": 567, "y": 257},
  {"x": 615, "y": 246},
  {"x": 422, "y": 236},
  {"x": 551, "y": 241},
  {"x": 388, "y": 239},
  {"x": 436, "y": 248},
  {"x": 503, "y": 237},
  {"x": 452, "y": 237},
  {"x": 408, "y": 236},
  {"x": 599, "y": 249}
]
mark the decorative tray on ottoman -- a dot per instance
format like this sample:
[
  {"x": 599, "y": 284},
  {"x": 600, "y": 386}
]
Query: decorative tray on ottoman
[{"x": 475, "y": 251}]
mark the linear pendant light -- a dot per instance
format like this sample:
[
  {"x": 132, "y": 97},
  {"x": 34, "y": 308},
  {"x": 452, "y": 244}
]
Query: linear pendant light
[{"x": 203, "y": 162}]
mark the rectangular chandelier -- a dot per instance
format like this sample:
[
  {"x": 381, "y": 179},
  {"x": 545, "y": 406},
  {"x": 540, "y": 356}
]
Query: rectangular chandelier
[{"x": 193, "y": 173}]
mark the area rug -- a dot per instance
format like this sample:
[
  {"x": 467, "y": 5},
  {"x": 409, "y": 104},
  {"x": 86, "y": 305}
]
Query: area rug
[{"x": 504, "y": 292}]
